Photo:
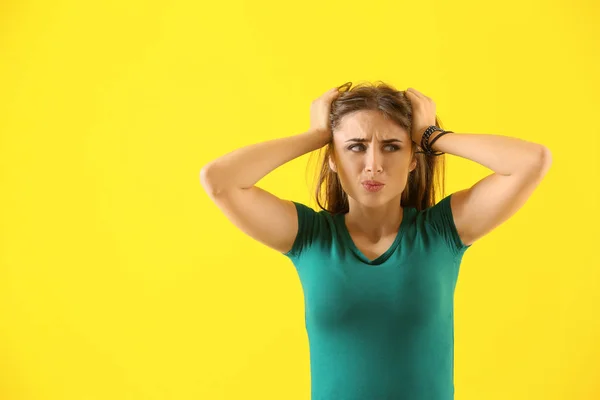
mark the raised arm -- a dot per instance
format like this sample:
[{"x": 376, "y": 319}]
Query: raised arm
[{"x": 230, "y": 180}]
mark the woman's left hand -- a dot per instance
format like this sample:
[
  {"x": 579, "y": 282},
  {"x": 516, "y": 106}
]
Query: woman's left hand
[{"x": 423, "y": 113}]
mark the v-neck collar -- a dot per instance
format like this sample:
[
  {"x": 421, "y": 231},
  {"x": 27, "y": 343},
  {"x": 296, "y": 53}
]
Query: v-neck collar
[{"x": 406, "y": 216}]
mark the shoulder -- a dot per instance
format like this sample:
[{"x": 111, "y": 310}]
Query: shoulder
[
  {"x": 313, "y": 227},
  {"x": 440, "y": 218}
]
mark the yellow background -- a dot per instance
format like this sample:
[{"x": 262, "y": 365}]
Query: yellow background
[{"x": 119, "y": 279}]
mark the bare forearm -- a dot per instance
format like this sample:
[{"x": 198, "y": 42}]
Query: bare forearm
[
  {"x": 244, "y": 167},
  {"x": 502, "y": 154}
]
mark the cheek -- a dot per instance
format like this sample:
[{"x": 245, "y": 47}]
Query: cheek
[
  {"x": 348, "y": 165},
  {"x": 348, "y": 178}
]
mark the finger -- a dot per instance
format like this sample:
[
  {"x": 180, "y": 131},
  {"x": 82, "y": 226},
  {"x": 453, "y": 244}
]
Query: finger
[
  {"x": 425, "y": 97},
  {"x": 410, "y": 94},
  {"x": 334, "y": 92},
  {"x": 328, "y": 95},
  {"x": 416, "y": 93}
]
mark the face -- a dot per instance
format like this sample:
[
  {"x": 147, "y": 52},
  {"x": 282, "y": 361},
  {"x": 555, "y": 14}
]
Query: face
[{"x": 367, "y": 146}]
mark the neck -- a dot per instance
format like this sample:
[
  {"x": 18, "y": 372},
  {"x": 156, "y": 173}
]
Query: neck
[{"x": 374, "y": 223}]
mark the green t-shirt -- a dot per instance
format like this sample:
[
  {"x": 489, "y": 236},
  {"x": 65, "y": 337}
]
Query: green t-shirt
[{"x": 380, "y": 329}]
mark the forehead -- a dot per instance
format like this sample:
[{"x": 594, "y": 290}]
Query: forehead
[{"x": 370, "y": 122}]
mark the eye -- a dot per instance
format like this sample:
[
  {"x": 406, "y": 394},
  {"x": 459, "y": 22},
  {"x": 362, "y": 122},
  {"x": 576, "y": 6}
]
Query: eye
[{"x": 392, "y": 146}]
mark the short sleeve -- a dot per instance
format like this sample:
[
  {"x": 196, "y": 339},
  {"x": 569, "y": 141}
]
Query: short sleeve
[
  {"x": 440, "y": 216},
  {"x": 308, "y": 227}
]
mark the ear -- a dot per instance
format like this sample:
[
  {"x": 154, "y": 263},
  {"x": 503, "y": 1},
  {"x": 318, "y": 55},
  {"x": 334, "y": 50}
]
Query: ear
[
  {"x": 413, "y": 165},
  {"x": 332, "y": 164}
]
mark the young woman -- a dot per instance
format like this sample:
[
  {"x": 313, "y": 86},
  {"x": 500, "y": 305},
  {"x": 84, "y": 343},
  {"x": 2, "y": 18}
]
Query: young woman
[{"x": 379, "y": 262}]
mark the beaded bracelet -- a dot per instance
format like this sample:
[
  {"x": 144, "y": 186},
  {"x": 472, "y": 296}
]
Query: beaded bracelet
[{"x": 426, "y": 146}]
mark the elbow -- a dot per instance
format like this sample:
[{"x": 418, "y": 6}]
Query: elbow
[
  {"x": 545, "y": 159},
  {"x": 537, "y": 163},
  {"x": 207, "y": 179},
  {"x": 540, "y": 164}
]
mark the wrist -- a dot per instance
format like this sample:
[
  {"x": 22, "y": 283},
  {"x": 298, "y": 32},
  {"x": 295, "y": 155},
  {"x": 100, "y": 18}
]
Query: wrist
[
  {"x": 433, "y": 136},
  {"x": 322, "y": 135}
]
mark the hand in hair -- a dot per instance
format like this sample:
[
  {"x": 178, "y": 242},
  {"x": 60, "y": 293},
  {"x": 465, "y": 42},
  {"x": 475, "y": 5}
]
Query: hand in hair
[
  {"x": 319, "y": 114},
  {"x": 423, "y": 113}
]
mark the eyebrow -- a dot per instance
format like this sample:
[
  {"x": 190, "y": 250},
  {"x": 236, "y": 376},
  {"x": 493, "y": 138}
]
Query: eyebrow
[{"x": 362, "y": 140}]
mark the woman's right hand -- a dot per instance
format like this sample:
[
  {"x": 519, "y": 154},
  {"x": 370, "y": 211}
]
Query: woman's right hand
[{"x": 319, "y": 114}]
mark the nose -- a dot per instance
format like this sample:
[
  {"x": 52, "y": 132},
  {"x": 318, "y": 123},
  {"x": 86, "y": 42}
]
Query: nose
[{"x": 373, "y": 161}]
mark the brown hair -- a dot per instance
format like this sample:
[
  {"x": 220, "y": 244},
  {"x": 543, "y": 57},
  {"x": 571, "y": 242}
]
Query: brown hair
[{"x": 424, "y": 182}]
